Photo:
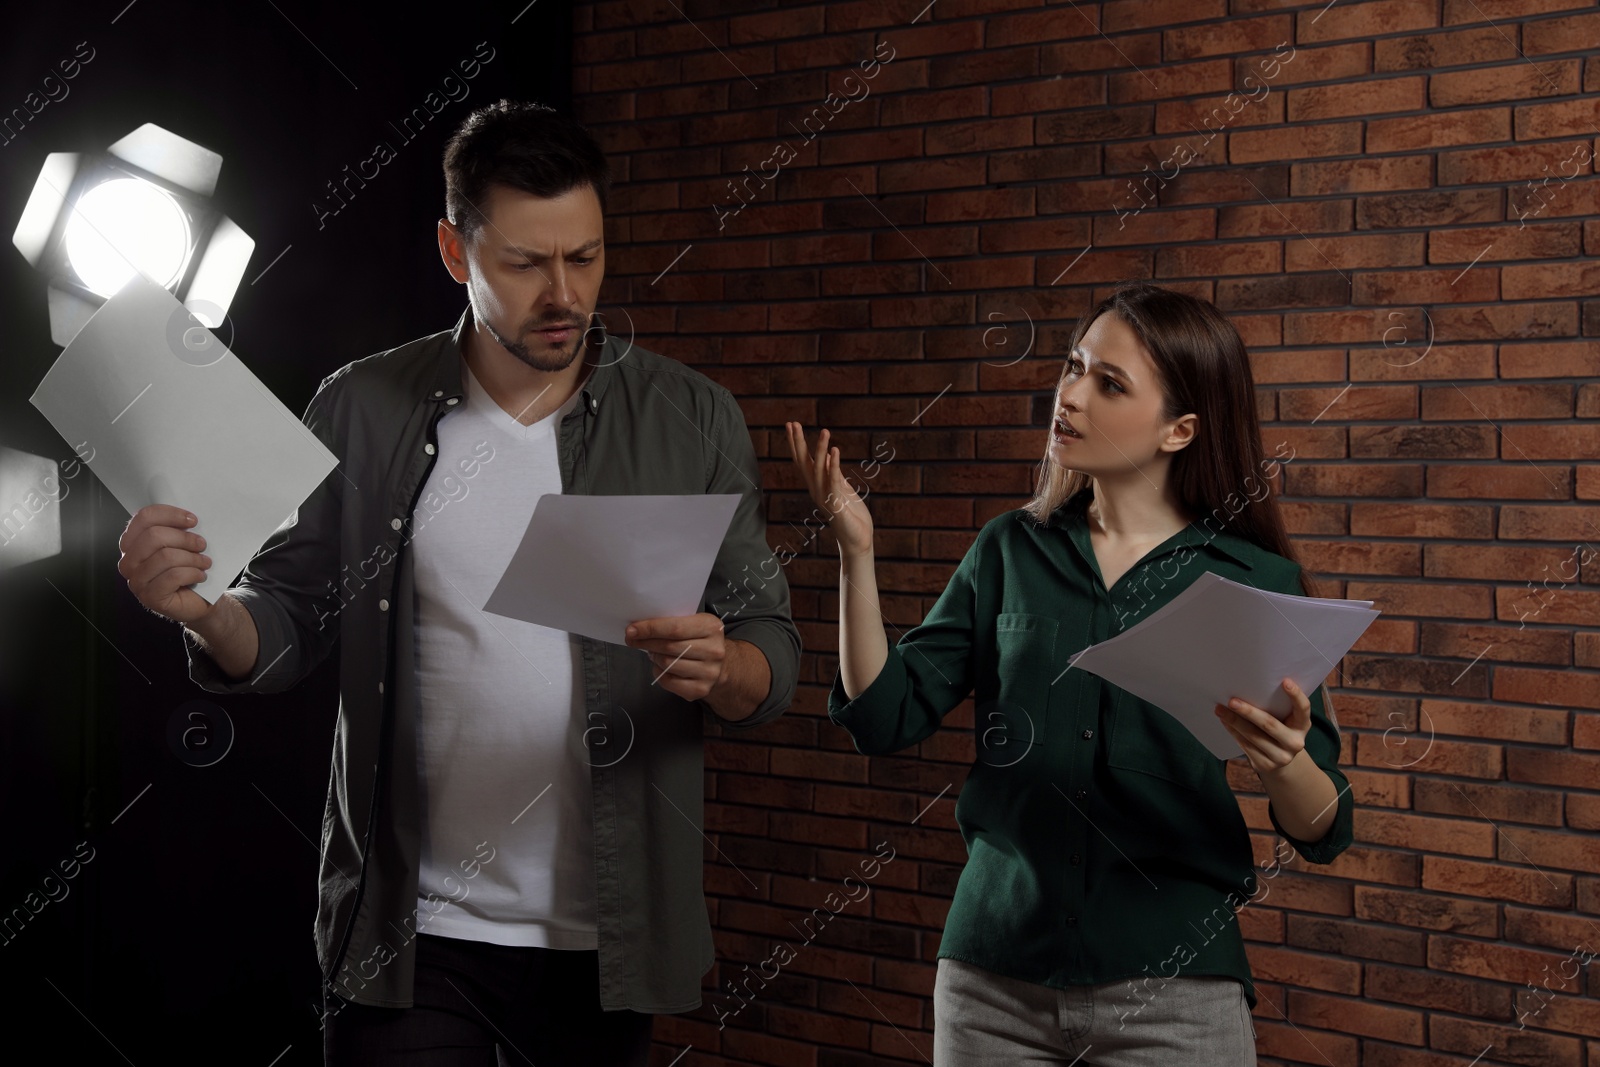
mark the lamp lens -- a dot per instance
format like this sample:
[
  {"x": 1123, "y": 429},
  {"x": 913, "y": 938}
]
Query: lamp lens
[{"x": 123, "y": 226}]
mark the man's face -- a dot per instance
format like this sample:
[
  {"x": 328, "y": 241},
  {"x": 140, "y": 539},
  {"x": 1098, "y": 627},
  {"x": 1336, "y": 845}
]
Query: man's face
[{"x": 533, "y": 270}]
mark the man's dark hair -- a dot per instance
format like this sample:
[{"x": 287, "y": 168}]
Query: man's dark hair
[{"x": 527, "y": 146}]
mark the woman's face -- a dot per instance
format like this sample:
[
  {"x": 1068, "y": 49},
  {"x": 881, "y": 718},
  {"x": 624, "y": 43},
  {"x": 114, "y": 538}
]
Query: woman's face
[{"x": 1109, "y": 393}]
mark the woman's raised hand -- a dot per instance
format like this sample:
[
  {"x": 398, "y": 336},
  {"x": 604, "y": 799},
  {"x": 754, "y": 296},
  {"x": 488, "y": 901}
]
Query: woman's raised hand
[{"x": 848, "y": 518}]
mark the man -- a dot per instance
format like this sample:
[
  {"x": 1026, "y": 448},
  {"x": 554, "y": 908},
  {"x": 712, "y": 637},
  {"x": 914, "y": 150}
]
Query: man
[{"x": 511, "y": 849}]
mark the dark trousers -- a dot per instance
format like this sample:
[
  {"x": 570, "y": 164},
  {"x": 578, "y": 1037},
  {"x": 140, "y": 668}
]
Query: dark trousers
[{"x": 482, "y": 1005}]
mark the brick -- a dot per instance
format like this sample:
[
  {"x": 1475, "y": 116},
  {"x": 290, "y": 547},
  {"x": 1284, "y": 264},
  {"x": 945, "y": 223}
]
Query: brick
[
  {"x": 940, "y": 38},
  {"x": 1555, "y": 194},
  {"x": 1514, "y": 81},
  {"x": 1337, "y": 62},
  {"x": 1332, "y": 973},
  {"x": 944, "y": 105},
  {"x": 1525, "y": 926},
  {"x": 1033, "y": 27},
  {"x": 1429, "y": 989},
  {"x": 1507, "y": 322},
  {"x": 1159, "y": 157},
  {"x": 1380, "y": 790},
  {"x": 1482, "y": 959},
  {"x": 1525, "y": 1046},
  {"x": 1551, "y": 849},
  {"x": 1245, "y": 257},
  {"x": 1123, "y": 15},
  {"x": 1095, "y": 124},
  {"x": 1528, "y": 685},
  {"x": 1498, "y": 402},
  {"x": 1433, "y": 208},
  {"x": 1369, "y": 97},
  {"x": 1433, "y": 51},
  {"x": 1578, "y": 770},
  {"x": 1300, "y": 219},
  {"x": 1457, "y": 12},
  {"x": 1483, "y": 800},
  {"x": 1427, "y": 911},
  {"x": 1527, "y": 281},
  {"x": 1226, "y": 38},
  {"x": 1511, "y": 164},
  {"x": 1554, "y": 240},
  {"x": 1568, "y": 1014},
  {"x": 1412, "y": 133},
  {"x": 1298, "y": 142},
  {"x": 1283, "y": 291},
  {"x": 1574, "y": 34},
  {"x": 1178, "y": 79},
  {"x": 1365, "y": 20},
  {"x": 1350, "y": 937},
  {"x": 1551, "y": 483},
  {"x": 1465, "y": 837},
  {"x": 1055, "y": 94},
  {"x": 1155, "y": 226},
  {"x": 1356, "y": 1016},
  {"x": 1361, "y": 175},
  {"x": 1471, "y": 286},
  {"x": 1228, "y": 112},
  {"x": 1491, "y": 881},
  {"x": 1347, "y": 253},
  {"x": 1542, "y": 726}
]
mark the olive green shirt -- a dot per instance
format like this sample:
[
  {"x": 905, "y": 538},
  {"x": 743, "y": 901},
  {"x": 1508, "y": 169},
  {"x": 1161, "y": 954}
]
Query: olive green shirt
[
  {"x": 1103, "y": 839},
  {"x": 340, "y": 572}
]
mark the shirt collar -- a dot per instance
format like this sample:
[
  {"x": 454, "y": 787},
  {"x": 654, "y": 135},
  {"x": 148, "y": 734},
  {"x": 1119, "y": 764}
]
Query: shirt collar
[
  {"x": 601, "y": 353},
  {"x": 1071, "y": 516}
]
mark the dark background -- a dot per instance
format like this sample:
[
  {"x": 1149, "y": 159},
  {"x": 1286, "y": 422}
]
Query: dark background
[{"x": 188, "y": 936}]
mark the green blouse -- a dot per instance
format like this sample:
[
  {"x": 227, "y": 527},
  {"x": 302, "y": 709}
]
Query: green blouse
[{"x": 1103, "y": 839}]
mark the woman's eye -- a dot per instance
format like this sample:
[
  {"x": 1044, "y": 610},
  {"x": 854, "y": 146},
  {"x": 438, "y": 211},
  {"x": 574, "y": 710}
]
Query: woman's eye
[{"x": 1114, "y": 385}]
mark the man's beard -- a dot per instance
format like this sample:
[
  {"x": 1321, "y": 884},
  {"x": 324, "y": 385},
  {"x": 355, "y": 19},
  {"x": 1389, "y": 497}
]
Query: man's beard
[{"x": 552, "y": 360}]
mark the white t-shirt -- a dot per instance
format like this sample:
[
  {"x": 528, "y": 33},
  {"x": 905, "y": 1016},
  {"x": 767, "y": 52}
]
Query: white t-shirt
[{"x": 501, "y": 760}]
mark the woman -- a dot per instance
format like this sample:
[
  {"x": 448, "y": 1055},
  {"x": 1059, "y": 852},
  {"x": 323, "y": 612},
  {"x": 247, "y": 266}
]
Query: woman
[{"x": 1094, "y": 922}]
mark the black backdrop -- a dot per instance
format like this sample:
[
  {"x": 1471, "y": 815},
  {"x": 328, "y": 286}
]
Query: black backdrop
[{"x": 186, "y": 935}]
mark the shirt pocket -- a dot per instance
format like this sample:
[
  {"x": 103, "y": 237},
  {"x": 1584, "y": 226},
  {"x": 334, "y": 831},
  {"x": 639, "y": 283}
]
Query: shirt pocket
[
  {"x": 1148, "y": 740},
  {"x": 1025, "y": 646}
]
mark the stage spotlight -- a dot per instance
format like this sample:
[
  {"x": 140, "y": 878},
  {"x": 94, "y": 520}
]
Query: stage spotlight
[
  {"x": 141, "y": 220},
  {"x": 31, "y": 490},
  {"x": 142, "y": 206}
]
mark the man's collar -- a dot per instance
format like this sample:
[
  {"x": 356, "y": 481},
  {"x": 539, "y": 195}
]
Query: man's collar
[
  {"x": 1071, "y": 516},
  {"x": 598, "y": 354}
]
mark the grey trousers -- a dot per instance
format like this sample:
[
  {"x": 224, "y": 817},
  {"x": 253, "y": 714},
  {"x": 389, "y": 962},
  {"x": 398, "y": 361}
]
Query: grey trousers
[{"x": 980, "y": 1017}]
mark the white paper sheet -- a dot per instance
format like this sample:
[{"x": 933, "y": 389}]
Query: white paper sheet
[
  {"x": 592, "y": 564},
  {"x": 168, "y": 426},
  {"x": 1218, "y": 640}
]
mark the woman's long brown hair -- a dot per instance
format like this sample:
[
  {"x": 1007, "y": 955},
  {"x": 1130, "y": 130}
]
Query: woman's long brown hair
[{"x": 1222, "y": 475}]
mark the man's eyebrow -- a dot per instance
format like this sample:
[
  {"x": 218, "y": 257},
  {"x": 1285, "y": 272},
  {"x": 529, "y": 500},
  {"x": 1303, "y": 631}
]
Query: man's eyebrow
[
  {"x": 528, "y": 253},
  {"x": 1107, "y": 366}
]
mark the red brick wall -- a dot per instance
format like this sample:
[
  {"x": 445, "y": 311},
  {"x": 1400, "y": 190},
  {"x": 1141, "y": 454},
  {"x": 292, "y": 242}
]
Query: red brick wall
[{"x": 1397, "y": 219}]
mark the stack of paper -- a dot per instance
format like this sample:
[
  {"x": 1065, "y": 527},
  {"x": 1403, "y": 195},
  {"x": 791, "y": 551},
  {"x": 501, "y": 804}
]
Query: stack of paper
[
  {"x": 592, "y": 564},
  {"x": 164, "y": 429},
  {"x": 1218, "y": 640}
]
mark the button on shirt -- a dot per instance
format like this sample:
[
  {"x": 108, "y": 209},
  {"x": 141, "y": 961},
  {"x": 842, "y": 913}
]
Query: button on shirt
[{"x": 1103, "y": 839}]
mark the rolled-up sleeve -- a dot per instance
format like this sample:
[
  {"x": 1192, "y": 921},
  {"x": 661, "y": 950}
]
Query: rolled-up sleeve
[
  {"x": 747, "y": 588},
  {"x": 1322, "y": 742},
  {"x": 289, "y": 585},
  {"x": 927, "y": 673}
]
